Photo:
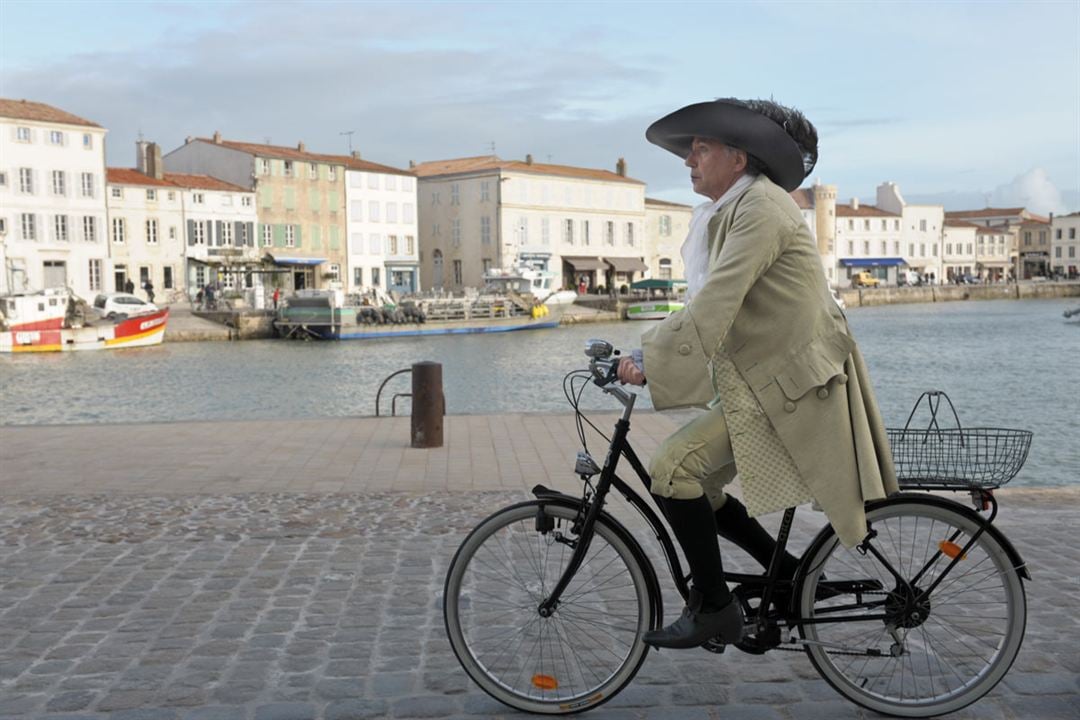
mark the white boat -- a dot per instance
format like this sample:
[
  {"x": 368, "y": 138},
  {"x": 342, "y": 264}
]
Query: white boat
[
  {"x": 525, "y": 280},
  {"x": 56, "y": 320},
  {"x": 670, "y": 300}
]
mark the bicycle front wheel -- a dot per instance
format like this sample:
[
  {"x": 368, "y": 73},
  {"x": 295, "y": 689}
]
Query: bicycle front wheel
[
  {"x": 581, "y": 655},
  {"x": 921, "y": 657}
]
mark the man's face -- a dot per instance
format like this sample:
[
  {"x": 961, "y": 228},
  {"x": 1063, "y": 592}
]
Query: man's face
[{"x": 714, "y": 167}]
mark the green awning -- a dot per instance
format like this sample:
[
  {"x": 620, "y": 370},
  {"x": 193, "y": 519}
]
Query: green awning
[{"x": 657, "y": 284}]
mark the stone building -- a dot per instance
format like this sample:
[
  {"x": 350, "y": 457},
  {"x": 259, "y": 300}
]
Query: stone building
[
  {"x": 1065, "y": 245},
  {"x": 958, "y": 258},
  {"x": 666, "y": 227}
]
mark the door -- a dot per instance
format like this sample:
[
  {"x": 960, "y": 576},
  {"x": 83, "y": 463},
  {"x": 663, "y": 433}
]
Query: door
[
  {"x": 55, "y": 273},
  {"x": 119, "y": 277},
  {"x": 437, "y": 258}
]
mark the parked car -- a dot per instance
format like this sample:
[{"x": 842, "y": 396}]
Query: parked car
[
  {"x": 864, "y": 279},
  {"x": 121, "y": 305}
]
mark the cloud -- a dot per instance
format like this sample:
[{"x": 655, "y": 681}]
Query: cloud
[{"x": 1033, "y": 190}]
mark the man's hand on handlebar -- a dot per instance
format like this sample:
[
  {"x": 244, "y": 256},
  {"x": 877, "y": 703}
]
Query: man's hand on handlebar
[{"x": 629, "y": 373}]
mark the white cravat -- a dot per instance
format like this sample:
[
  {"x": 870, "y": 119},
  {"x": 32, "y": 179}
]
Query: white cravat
[{"x": 695, "y": 249}]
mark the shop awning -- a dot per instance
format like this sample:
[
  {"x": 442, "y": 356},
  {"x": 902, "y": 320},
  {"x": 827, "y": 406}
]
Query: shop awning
[
  {"x": 657, "y": 284},
  {"x": 585, "y": 263},
  {"x": 283, "y": 260},
  {"x": 626, "y": 264},
  {"x": 873, "y": 262}
]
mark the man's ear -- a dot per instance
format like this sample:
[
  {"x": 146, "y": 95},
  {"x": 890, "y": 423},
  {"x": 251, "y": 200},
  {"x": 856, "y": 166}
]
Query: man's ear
[{"x": 741, "y": 161}]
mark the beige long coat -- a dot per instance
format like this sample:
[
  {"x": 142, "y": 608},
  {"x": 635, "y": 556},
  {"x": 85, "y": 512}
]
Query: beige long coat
[{"x": 766, "y": 305}]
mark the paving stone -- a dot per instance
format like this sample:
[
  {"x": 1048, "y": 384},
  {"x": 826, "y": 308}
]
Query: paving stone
[
  {"x": 430, "y": 706},
  {"x": 67, "y": 701},
  {"x": 285, "y": 711}
]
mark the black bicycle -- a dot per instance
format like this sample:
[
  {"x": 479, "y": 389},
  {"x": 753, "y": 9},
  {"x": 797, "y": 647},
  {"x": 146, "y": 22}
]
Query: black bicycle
[{"x": 546, "y": 601}]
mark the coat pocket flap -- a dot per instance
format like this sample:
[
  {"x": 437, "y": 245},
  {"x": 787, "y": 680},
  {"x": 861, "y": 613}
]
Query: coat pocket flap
[{"x": 814, "y": 365}]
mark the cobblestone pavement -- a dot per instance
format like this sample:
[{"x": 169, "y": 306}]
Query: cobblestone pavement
[{"x": 303, "y": 606}]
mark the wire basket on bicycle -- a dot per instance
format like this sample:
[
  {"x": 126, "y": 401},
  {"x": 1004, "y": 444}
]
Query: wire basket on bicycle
[{"x": 955, "y": 458}]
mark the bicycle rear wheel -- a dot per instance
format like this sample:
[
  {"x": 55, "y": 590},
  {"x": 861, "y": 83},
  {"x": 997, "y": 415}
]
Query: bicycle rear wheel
[
  {"x": 581, "y": 655},
  {"x": 936, "y": 655}
]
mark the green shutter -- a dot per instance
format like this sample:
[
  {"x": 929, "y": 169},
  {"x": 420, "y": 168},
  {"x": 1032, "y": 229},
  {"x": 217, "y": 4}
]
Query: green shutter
[
  {"x": 316, "y": 239},
  {"x": 279, "y": 236},
  {"x": 324, "y": 172},
  {"x": 335, "y": 243},
  {"x": 333, "y": 200},
  {"x": 290, "y": 199},
  {"x": 258, "y": 235},
  {"x": 298, "y": 229},
  {"x": 313, "y": 199},
  {"x": 267, "y": 196},
  {"x": 276, "y": 168}
]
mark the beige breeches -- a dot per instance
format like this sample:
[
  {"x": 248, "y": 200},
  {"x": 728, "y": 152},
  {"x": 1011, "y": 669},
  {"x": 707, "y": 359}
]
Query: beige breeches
[{"x": 695, "y": 460}]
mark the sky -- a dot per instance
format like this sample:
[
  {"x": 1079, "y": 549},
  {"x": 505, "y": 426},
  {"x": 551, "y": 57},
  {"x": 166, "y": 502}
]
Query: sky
[{"x": 962, "y": 104}]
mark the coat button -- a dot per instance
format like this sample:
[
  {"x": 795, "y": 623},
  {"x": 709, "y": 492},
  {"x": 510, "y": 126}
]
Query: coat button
[
  {"x": 684, "y": 349},
  {"x": 676, "y": 325},
  {"x": 841, "y": 378},
  {"x": 822, "y": 393},
  {"x": 789, "y": 406}
]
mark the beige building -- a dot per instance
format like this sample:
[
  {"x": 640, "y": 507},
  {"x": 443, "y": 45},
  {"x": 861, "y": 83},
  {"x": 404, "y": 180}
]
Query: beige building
[
  {"x": 958, "y": 259},
  {"x": 300, "y": 202},
  {"x": 146, "y": 221},
  {"x": 666, "y": 226},
  {"x": 1033, "y": 248},
  {"x": 1007, "y": 221},
  {"x": 484, "y": 213},
  {"x": 1065, "y": 245},
  {"x": 995, "y": 254}
]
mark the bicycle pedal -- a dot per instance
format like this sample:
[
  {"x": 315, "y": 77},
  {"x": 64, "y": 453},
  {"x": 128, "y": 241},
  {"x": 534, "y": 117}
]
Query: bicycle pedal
[{"x": 714, "y": 646}]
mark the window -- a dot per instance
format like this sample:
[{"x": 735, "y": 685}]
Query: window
[
  {"x": 245, "y": 201},
  {"x": 455, "y": 232},
  {"x": 118, "y": 230},
  {"x": 151, "y": 232},
  {"x": 851, "y": 247},
  {"x": 911, "y": 249},
  {"x": 922, "y": 226},
  {"x": 392, "y": 242},
  {"x": 89, "y": 228},
  {"x": 485, "y": 264},
  {"x": 866, "y": 247},
  {"x": 3, "y": 179},
  {"x": 358, "y": 276},
  {"x": 373, "y": 181},
  {"x": 948, "y": 248},
  {"x": 1072, "y": 233},
  {"x": 87, "y": 141},
  {"x": 22, "y": 134},
  {"x": 609, "y": 232},
  {"x": 630, "y": 234},
  {"x": 545, "y": 231},
  {"x": 373, "y": 211},
  {"x": 199, "y": 231},
  {"x": 290, "y": 236},
  {"x": 391, "y": 212},
  {"x": 116, "y": 193},
  {"x": 455, "y": 194},
  {"x": 60, "y": 228},
  {"x": 29, "y": 226},
  {"x": 167, "y": 280},
  {"x": 922, "y": 249},
  {"x": 244, "y": 240},
  {"x": 151, "y": 194},
  {"x": 457, "y": 272},
  {"x": 410, "y": 245},
  {"x": 969, "y": 252},
  {"x": 665, "y": 269},
  {"x": 172, "y": 195},
  {"x": 88, "y": 185},
  {"x": 850, "y": 224},
  {"x": 288, "y": 168},
  {"x": 26, "y": 181},
  {"x": 331, "y": 173},
  {"x": 865, "y": 224},
  {"x": 485, "y": 191},
  {"x": 523, "y": 230},
  {"x": 226, "y": 234},
  {"x": 1059, "y": 233},
  {"x": 172, "y": 232},
  {"x": 226, "y": 200},
  {"x": 585, "y": 232},
  {"x": 434, "y": 197},
  {"x": 267, "y": 235},
  {"x": 59, "y": 182},
  {"x": 1057, "y": 251},
  {"x": 408, "y": 213},
  {"x": 313, "y": 171},
  {"x": 95, "y": 274},
  {"x": 264, "y": 166},
  {"x": 568, "y": 231},
  {"x": 1027, "y": 237},
  {"x": 665, "y": 225},
  {"x": 198, "y": 199},
  {"x": 895, "y": 224},
  {"x": 884, "y": 247},
  {"x": 883, "y": 223},
  {"x": 485, "y": 230},
  {"x": 406, "y": 184},
  {"x": 1072, "y": 251},
  {"x": 335, "y": 271},
  {"x": 934, "y": 250},
  {"x": 375, "y": 244}
]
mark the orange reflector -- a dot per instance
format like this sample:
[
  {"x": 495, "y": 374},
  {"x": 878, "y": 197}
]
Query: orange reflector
[
  {"x": 951, "y": 549},
  {"x": 545, "y": 682}
]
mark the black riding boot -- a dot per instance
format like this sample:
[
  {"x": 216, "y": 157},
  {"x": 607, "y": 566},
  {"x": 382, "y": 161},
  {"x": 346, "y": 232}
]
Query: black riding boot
[
  {"x": 712, "y": 610},
  {"x": 734, "y": 524}
]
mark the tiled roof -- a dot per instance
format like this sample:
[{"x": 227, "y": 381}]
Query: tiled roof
[
  {"x": 998, "y": 230},
  {"x": 28, "y": 110},
  {"x": 491, "y": 162},
  {"x": 1034, "y": 219},
  {"x": 984, "y": 213},
  {"x": 949, "y": 222},
  {"x": 203, "y": 182},
  {"x": 131, "y": 176},
  {"x": 292, "y": 153},
  {"x": 804, "y": 198},
  {"x": 665, "y": 203},
  {"x": 862, "y": 211}
]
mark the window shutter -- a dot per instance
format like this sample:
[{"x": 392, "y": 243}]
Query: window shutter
[
  {"x": 298, "y": 229},
  {"x": 258, "y": 234},
  {"x": 279, "y": 236},
  {"x": 238, "y": 235},
  {"x": 253, "y": 240},
  {"x": 220, "y": 239}
]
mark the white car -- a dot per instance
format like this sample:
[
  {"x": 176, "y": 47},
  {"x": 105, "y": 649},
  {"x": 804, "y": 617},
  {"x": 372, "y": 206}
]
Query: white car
[{"x": 121, "y": 305}]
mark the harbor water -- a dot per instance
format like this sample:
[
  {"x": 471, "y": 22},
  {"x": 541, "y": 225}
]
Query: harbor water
[{"x": 1012, "y": 363}]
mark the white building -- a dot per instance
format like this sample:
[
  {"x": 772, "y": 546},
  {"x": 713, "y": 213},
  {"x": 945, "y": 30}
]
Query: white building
[
  {"x": 666, "y": 226},
  {"x": 52, "y": 199},
  {"x": 921, "y": 231},
  {"x": 868, "y": 239},
  {"x": 380, "y": 210},
  {"x": 482, "y": 213},
  {"x": 1065, "y": 245},
  {"x": 995, "y": 255},
  {"x": 958, "y": 258},
  {"x": 145, "y": 221}
]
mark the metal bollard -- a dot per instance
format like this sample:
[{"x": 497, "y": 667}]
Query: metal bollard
[{"x": 427, "y": 405}]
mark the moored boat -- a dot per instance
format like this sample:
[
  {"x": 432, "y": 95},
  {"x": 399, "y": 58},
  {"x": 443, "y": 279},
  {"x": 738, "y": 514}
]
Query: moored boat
[
  {"x": 660, "y": 299},
  {"x": 55, "y": 320}
]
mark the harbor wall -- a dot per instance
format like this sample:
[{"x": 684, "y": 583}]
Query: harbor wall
[{"x": 869, "y": 297}]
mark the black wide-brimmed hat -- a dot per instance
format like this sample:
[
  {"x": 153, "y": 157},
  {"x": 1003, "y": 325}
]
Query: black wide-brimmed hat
[{"x": 762, "y": 128}]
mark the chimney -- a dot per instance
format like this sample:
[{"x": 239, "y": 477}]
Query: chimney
[
  {"x": 188, "y": 139},
  {"x": 854, "y": 203},
  {"x": 155, "y": 168},
  {"x": 528, "y": 160},
  {"x": 356, "y": 155},
  {"x": 620, "y": 168},
  {"x": 140, "y": 156},
  {"x": 412, "y": 164},
  {"x": 217, "y": 138},
  {"x": 300, "y": 146}
]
